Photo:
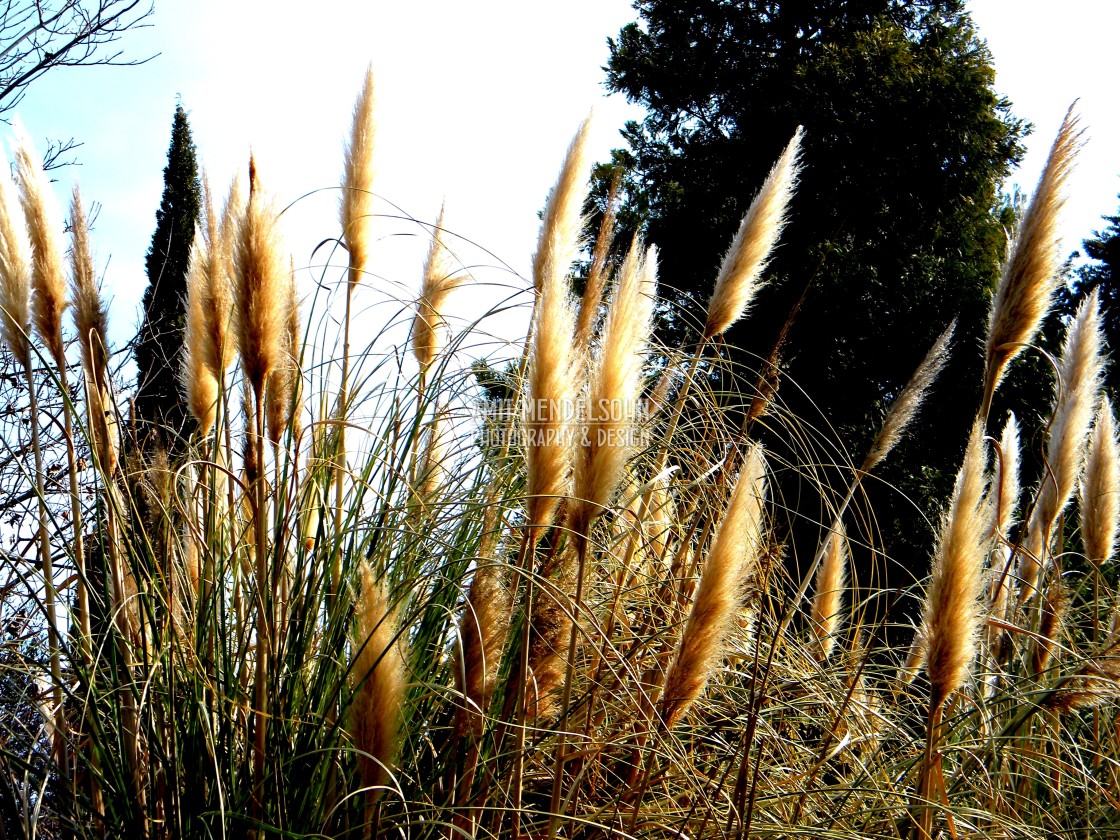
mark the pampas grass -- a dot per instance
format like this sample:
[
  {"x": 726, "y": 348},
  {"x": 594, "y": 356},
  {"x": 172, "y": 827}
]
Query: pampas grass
[
  {"x": 1080, "y": 372},
  {"x": 485, "y": 635},
  {"x": 378, "y": 672},
  {"x": 746, "y": 259},
  {"x": 1031, "y": 273},
  {"x": 828, "y": 599},
  {"x": 44, "y": 224},
  {"x": 1100, "y": 491},
  {"x": 734, "y": 552}
]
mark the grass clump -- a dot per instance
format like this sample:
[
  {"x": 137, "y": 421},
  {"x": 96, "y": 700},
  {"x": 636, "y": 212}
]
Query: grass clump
[{"x": 354, "y": 609}]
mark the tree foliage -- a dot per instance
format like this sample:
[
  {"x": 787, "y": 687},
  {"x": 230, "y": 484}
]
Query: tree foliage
[
  {"x": 38, "y": 35},
  {"x": 159, "y": 400},
  {"x": 897, "y": 227}
]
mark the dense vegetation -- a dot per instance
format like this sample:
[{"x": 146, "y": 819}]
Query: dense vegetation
[{"x": 363, "y": 603}]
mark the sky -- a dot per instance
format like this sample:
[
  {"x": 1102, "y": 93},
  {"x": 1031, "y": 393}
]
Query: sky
[{"x": 476, "y": 105}]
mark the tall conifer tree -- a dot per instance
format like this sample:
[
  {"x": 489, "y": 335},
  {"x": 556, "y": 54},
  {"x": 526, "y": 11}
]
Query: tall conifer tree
[{"x": 160, "y": 409}]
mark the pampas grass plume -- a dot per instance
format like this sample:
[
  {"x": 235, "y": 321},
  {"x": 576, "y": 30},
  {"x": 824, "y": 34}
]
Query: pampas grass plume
[
  {"x": 440, "y": 280},
  {"x": 260, "y": 286},
  {"x": 562, "y": 223},
  {"x": 910, "y": 399},
  {"x": 828, "y": 599},
  {"x": 733, "y": 555},
  {"x": 15, "y": 271},
  {"x": 1031, "y": 273},
  {"x": 746, "y": 259},
  {"x": 483, "y": 632},
  {"x": 378, "y": 671},
  {"x": 91, "y": 324},
  {"x": 1100, "y": 491},
  {"x": 616, "y": 382},
  {"x": 552, "y": 375},
  {"x": 952, "y": 615},
  {"x": 1080, "y": 374},
  {"x": 356, "y": 208},
  {"x": 44, "y": 223}
]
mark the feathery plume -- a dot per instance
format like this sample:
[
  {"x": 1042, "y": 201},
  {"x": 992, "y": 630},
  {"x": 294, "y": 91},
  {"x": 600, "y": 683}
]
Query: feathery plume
[
  {"x": 1030, "y": 275},
  {"x": 1055, "y": 606},
  {"x": 205, "y": 322},
  {"x": 91, "y": 325},
  {"x": 734, "y": 553},
  {"x": 483, "y": 631},
  {"x": 597, "y": 272},
  {"x": 616, "y": 382},
  {"x": 952, "y": 615},
  {"x": 15, "y": 271},
  {"x": 562, "y": 223},
  {"x": 746, "y": 259},
  {"x": 828, "y": 600},
  {"x": 440, "y": 280},
  {"x": 260, "y": 287},
  {"x": 356, "y": 207},
  {"x": 1006, "y": 485},
  {"x": 552, "y": 384},
  {"x": 282, "y": 377},
  {"x": 378, "y": 672},
  {"x": 1080, "y": 373},
  {"x": 44, "y": 224},
  {"x": 910, "y": 399},
  {"x": 1100, "y": 492}
]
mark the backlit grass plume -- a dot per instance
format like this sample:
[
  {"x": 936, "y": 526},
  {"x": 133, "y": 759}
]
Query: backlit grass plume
[
  {"x": 440, "y": 279},
  {"x": 615, "y": 387},
  {"x": 1080, "y": 372},
  {"x": 746, "y": 259},
  {"x": 952, "y": 614},
  {"x": 91, "y": 325},
  {"x": 1100, "y": 490},
  {"x": 356, "y": 206},
  {"x": 562, "y": 223},
  {"x": 733, "y": 555},
  {"x": 44, "y": 224},
  {"x": 260, "y": 286},
  {"x": 910, "y": 399},
  {"x": 552, "y": 380},
  {"x": 828, "y": 599},
  {"x": 378, "y": 672},
  {"x": 1031, "y": 272},
  {"x": 15, "y": 271}
]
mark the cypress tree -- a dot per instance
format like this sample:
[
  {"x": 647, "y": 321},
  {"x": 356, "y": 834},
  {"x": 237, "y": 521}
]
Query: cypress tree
[{"x": 160, "y": 411}]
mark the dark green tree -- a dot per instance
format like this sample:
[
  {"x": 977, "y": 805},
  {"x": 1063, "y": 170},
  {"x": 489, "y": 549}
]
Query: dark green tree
[
  {"x": 898, "y": 224},
  {"x": 160, "y": 407}
]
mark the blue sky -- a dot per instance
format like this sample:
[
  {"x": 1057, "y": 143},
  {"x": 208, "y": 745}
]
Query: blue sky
[{"x": 477, "y": 103}]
